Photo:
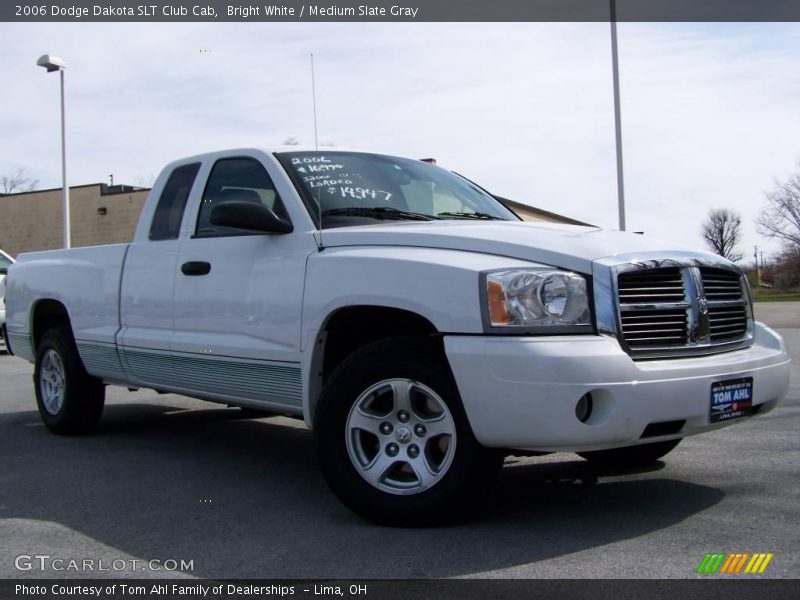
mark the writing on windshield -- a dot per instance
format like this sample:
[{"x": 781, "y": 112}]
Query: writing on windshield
[{"x": 348, "y": 188}]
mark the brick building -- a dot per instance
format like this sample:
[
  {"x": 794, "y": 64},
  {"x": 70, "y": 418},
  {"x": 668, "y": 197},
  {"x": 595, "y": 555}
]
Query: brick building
[
  {"x": 531, "y": 213},
  {"x": 99, "y": 214}
]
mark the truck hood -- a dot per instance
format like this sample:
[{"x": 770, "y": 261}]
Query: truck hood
[{"x": 566, "y": 246}]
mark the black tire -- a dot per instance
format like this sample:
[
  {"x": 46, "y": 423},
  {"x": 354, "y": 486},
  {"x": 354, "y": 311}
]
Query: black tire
[
  {"x": 631, "y": 456},
  {"x": 463, "y": 478},
  {"x": 82, "y": 396}
]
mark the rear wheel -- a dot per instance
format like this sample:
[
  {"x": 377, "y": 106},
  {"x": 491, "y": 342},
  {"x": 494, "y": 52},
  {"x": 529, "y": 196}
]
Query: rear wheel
[
  {"x": 70, "y": 401},
  {"x": 393, "y": 440},
  {"x": 632, "y": 456}
]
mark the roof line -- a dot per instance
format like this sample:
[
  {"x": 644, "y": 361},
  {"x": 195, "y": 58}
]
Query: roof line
[{"x": 86, "y": 185}]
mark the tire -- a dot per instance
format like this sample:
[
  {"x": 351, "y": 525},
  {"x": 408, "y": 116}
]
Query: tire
[
  {"x": 631, "y": 456},
  {"x": 421, "y": 468},
  {"x": 70, "y": 401}
]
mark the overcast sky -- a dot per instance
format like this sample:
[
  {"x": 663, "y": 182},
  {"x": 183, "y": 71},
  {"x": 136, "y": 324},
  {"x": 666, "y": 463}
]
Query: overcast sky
[{"x": 711, "y": 112}]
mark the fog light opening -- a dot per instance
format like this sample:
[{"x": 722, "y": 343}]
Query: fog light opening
[{"x": 583, "y": 409}]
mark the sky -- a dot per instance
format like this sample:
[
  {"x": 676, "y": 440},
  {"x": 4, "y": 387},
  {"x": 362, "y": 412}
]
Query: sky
[{"x": 710, "y": 112}]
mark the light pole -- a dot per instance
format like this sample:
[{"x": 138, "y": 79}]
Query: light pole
[
  {"x": 617, "y": 114},
  {"x": 53, "y": 63}
]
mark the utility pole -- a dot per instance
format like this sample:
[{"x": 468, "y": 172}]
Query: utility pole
[
  {"x": 758, "y": 267},
  {"x": 53, "y": 63},
  {"x": 617, "y": 114}
]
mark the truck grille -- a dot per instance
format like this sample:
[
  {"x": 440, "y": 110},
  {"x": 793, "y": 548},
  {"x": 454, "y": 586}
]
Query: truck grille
[
  {"x": 681, "y": 310},
  {"x": 653, "y": 307},
  {"x": 726, "y": 321}
]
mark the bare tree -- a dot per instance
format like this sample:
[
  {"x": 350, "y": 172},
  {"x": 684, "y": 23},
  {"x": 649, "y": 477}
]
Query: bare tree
[
  {"x": 19, "y": 182},
  {"x": 787, "y": 269},
  {"x": 781, "y": 218},
  {"x": 722, "y": 231}
]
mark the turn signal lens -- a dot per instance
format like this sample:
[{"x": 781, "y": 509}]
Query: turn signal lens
[{"x": 497, "y": 303}]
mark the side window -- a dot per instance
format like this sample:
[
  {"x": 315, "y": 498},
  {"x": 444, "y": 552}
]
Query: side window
[
  {"x": 242, "y": 179},
  {"x": 169, "y": 210}
]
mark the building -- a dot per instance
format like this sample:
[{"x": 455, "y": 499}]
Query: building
[
  {"x": 104, "y": 214},
  {"x": 530, "y": 213},
  {"x": 99, "y": 214}
]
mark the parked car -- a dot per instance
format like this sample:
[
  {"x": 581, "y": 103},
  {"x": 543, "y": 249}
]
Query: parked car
[
  {"x": 416, "y": 324},
  {"x": 5, "y": 262}
]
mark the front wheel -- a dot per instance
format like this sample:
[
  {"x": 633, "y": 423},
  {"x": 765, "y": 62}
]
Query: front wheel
[
  {"x": 70, "y": 401},
  {"x": 631, "y": 456},
  {"x": 393, "y": 440}
]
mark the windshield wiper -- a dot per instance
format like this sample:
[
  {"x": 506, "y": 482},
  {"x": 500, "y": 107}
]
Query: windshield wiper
[
  {"x": 377, "y": 212},
  {"x": 470, "y": 215}
]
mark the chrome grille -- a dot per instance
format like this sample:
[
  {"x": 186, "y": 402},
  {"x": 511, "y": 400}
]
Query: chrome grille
[
  {"x": 727, "y": 322},
  {"x": 666, "y": 308},
  {"x": 652, "y": 306},
  {"x": 727, "y": 314},
  {"x": 720, "y": 284},
  {"x": 654, "y": 327},
  {"x": 657, "y": 285}
]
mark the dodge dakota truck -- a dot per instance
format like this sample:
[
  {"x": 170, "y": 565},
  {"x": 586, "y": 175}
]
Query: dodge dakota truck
[{"x": 417, "y": 325}]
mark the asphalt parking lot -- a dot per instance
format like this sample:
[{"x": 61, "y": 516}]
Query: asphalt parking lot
[{"x": 170, "y": 478}]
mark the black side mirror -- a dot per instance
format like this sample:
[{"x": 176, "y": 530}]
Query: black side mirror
[
  {"x": 248, "y": 216},
  {"x": 3, "y": 270}
]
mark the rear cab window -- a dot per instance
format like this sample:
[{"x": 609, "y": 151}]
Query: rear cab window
[{"x": 167, "y": 218}]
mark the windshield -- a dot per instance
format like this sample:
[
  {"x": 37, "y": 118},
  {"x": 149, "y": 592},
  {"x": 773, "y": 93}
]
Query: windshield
[{"x": 351, "y": 188}]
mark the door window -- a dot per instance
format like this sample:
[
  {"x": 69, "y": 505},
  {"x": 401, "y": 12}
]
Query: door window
[{"x": 236, "y": 179}]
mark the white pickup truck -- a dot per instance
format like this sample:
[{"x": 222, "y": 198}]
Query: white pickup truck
[{"x": 416, "y": 324}]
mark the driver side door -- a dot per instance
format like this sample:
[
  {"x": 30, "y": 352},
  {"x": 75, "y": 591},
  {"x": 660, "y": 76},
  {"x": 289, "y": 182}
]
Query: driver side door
[{"x": 238, "y": 298}]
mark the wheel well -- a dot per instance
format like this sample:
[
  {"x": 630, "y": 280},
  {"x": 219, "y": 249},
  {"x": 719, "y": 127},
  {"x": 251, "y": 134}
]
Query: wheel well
[
  {"x": 356, "y": 326},
  {"x": 47, "y": 315}
]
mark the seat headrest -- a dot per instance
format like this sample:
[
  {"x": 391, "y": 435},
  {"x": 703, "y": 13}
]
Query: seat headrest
[{"x": 238, "y": 195}]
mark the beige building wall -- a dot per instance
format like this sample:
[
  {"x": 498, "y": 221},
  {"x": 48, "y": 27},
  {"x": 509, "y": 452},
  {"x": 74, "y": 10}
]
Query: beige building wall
[
  {"x": 532, "y": 215},
  {"x": 31, "y": 221},
  {"x": 537, "y": 215}
]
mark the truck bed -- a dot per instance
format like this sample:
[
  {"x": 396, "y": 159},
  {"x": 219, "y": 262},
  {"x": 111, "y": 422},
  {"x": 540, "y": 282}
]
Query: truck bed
[{"x": 85, "y": 280}]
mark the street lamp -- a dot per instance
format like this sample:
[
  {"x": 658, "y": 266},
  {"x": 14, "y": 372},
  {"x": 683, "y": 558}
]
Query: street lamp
[
  {"x": 617, "y": 113},
  {"x": 53, "y": 63}
]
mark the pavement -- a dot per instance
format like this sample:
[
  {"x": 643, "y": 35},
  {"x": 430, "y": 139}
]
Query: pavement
[
  {"x": 168, "y": 478},
  {"x": 778, "y": 314}
]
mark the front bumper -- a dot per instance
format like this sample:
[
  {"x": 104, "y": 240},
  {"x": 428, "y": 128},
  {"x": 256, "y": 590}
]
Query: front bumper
[{"x": 521, "y": 392}]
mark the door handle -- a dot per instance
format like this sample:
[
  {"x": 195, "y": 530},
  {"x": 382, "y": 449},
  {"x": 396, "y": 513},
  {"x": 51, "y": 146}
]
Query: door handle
[{"x": 196, "y": 267}]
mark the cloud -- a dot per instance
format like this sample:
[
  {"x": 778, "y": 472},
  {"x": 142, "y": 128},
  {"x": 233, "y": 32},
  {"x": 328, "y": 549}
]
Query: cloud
[{"x": 709, "y": 111}]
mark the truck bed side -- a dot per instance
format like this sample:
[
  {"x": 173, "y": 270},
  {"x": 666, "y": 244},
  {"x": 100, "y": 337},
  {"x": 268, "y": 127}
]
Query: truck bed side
[{"x": 84, "y": 282}]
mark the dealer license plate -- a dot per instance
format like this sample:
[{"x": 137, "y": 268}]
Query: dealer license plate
[{"x": 731, "y": 399}]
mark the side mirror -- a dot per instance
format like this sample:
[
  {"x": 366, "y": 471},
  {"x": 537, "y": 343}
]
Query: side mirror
[
  {"x": 248, "y": 216},
  {"x": 3, "y": 270}
]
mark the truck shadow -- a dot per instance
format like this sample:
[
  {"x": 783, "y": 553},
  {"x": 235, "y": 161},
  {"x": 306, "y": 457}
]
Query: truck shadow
[{"x": 244, "y": 499}]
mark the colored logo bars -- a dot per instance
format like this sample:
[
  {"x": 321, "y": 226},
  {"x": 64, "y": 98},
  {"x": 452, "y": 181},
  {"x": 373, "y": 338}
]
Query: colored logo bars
[{"x": 719, "y": 562}]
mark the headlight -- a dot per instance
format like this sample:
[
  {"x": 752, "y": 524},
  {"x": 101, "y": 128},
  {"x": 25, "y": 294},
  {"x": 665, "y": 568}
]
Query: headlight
[{"x": 537, "y": 298}]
